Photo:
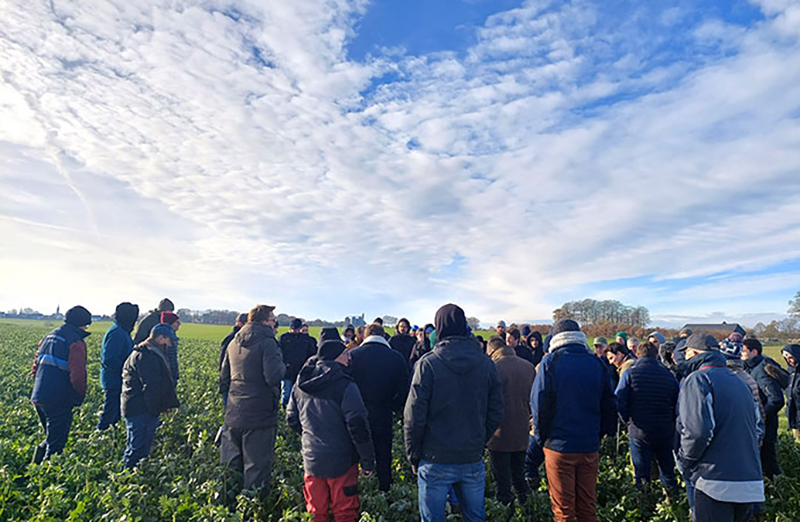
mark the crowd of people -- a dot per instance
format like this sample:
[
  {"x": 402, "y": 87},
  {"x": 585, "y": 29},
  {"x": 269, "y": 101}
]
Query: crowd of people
[{"x": 705, "y": 408}]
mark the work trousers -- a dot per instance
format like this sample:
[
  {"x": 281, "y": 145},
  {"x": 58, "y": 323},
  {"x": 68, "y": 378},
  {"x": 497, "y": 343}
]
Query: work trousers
[
  {"x": 572, "y": 480},
  {"x": 251, "y": 453},
  {"x": 509, "y": 468},
  {"x": 339, "y": 496}
]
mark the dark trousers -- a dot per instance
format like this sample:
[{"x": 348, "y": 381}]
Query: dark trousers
[
  {"x": 56, "y": 422},
  {"x": 706, "y": 509},
  {"x": 110, "y": 414},
  {"x": 250, "y": 452},
  {"x": 769, "y": 457},
  {"x": 509, "y": 468},
  {"x": 642, "y": 454},
  {"x": 382, "y": 442},
  {"x": 141, "y": 434},
  {"x": 534, "y": 457}
]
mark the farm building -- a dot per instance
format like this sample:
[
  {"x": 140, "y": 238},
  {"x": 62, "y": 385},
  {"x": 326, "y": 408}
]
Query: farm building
[{"x": 720, "y": 327}]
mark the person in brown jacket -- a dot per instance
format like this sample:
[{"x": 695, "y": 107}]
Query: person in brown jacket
[{"x": 508, "y": 444}]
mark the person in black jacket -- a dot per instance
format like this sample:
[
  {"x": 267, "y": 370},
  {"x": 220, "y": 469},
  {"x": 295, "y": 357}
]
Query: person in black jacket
[
  {"x": 454, "y": 406},
  {"x": 402, "y": 342},
  {"x": 421, "y": 347},
  {"x": 791, "y": 354},
  {"x": 241, "y": 320},
  {"x": 535, "y": 343},
  {"x": 647, "y": 398},
  {"x": 327, "y": 410},
  {"x": 152, "y": 318},
  {"x": 147, "y": 391},
  {"x": 514, "y": 341},
  {"x": 382, "y": 376},
  {"x": 296, "y": 348}
]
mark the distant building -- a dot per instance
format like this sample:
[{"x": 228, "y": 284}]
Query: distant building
[
  {"x": 721, "y": 327},
  {"x": 355, "y": 320}
]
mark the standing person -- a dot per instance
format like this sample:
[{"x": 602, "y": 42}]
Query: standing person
[
  {"x": 620, "y": 357},
  {"x": 509, "y": 443},
  {"x": 241, "y": 320},
  {"x": 500, "y": 329},
  {"x": 152, "y": 318},
  {"x": 348, "y": 334},
  {"x": 173, "y": 321},
  {"x": 117, "y": 346},
  {"x": 771, "y": 398},
  {"x": 647, "y": 398},
  {"x": 382, "y": 377},
  {"x": 621, "y": 338},
  {"x": 59, "y": 371},
  {"x": 252, "y": 371},
  {"x": 327, "y": 410},
  {"x": 534, "y": 342},
  {"x": 454, "y": 406},
  {"x": 791, "y": 354},
  {"x": 633, "y": 343},
  {"x": 572, "y": 404},
  {"x": 296, "y": 348},
  {"x": 147, "y": 392},
  {"x": 514, "y": 341},
  {"x": 421, "y": 347},
  {"x": 402, "y": 342},
  {"x": 719, "y": 429},
  {"x": 358, "y": 339},
  {"x": 733, "y": 355},
  {"x": 304, "y": 330},
  {"x": 678, "y": 354},
  {"x": 656, "y": 339}
]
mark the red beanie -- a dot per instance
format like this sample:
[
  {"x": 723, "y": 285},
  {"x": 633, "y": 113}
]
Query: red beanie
[{"x": 169, "y": 317}]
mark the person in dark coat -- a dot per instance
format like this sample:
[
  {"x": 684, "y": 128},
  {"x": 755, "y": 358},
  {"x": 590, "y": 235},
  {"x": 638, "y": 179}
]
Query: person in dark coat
[
  {"x": 296, "y": 348},
  {"x": 514, "y": 341},
  {"x": 327, "y": 410},
  {"x": 59, "y": 371},
  {"x": 536, "y": 345},
  {"x": 252, "y": 371},
  {"x": 791, "y": 354},
  {"x": 454, "y": 406},
  {"x": 117, "y": 346},
  {"x": 152, "y": 318},
  {"x": 421, "y": 347},
  {"x": 647, "y": 397},
  {"x": 241, "y": 320},
  {"x": 402, "y": 342},
  {"x": 174, "y": 322},
  {"x": 147, "y": 392},
  {"x": 508, "y": 444},
  {"x": 771, "y": 398},
  {"x": 382, "y": 377}
]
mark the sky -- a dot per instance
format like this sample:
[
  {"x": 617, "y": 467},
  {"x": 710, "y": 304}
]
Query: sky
[{"x": 337, "y": 157}]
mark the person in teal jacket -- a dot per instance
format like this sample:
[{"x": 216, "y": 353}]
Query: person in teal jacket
[{"x": 117, "y": 346}]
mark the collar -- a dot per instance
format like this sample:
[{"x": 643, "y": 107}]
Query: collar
[{"x": 375, "y": 339}]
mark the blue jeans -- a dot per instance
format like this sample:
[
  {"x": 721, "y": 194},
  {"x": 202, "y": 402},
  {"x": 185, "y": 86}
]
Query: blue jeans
[
  {"x": 56, "y": 422},
  {"x": 141, "y": 432},
  {"x": 434, "y": 482},
  {"x": 286, "y": 391},
  {"x": 111, "y": 413},
  {"x": 642, "y": 454}
]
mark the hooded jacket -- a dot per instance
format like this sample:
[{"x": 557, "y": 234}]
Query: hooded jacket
[
  {"x": 327, "y": 410},
  {"x": 251, "y": 372},
  {"x": 117, "y": 346},
  {"x": 296, "y": 348},
  {"x": 516, "y": 375},
  {"x": 147, "y": 382},
  {"x": 793, "y": 390},
  {"x": 719, "y": 428},
  {"x": 769, "y": 388},
  {"x": 538, "y": 352},
  {"x": 59, "y": 368},
  {"x": 647, "y": 397},
  {"x": 146, "y": 325}
]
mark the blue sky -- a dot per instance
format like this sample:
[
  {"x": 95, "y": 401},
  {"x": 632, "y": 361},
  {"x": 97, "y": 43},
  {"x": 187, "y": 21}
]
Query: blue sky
[{"x": 387, "y": 157}]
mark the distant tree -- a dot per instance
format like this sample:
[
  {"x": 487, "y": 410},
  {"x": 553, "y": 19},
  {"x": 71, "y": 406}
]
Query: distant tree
[
  {"x": 794, "y": 306},
  {"x": 592, "y": 312},
  {"x": 474, "y": 323}
]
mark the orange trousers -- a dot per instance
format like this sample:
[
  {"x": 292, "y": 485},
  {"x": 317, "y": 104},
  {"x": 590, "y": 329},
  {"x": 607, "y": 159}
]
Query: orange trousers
[{"x": 572, "y": 480}]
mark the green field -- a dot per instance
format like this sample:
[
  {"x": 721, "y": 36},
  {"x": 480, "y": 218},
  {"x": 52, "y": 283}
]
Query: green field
[{"x": 182, "y": 479}]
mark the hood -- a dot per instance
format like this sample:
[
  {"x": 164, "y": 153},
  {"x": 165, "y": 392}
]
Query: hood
[
  {"x": 252, "y": 333},
  {"x": 459, "y": 354},
  {"x": 535, "y": 335},
  {"x": 709, "y": 358},
  {"x": 316, "y": 375},
  {"x": 793, "y": 350},
  {"x": 450, "y": 321},
  {"x": 125, "y": 316}
]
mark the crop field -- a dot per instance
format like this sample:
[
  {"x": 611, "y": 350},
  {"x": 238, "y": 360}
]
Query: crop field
[{"x": 182, "y": 480}]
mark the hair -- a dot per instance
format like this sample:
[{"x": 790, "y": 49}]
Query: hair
[
  {"x": 378, "y": 320},
  {"x": 404, "y": 320},
  {"x": 618, "y": 348},
  {"x": 495, "y": 343},
  {"x": 753, "y": 344},
  {"x": 374, "y": 329},
  {"x": 514, "y": 333},
  {"x": 259, "y": 314},
  {"x": 647, "y": 350},
  {"x": 241, "y": 318}
]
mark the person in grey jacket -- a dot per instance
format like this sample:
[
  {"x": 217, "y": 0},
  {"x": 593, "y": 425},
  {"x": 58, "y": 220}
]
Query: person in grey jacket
[
  {"x": 326, "y": 409},
  {"x": 251, "y": 372},
  {"x": 719, "y": 428}
]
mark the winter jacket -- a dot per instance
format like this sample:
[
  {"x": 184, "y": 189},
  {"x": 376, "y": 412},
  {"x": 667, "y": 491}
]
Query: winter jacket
[
  {"x": 420, "y": 348},
  {"x": 59, "y": 368},
  {"x": 172, "y": 356},
  {"x": 117, "y": 346},
  {"x": 647, "y": 397},
  {"x": 793, "y": 390},
  {"x": 327, "y": 410},
  {"x": 147, "y": 383},
  {"x": 296, "y": 348},
  {"x": 737, "y": 367},
  {"x": 770, "y": 391},
  {"x": 572, "y": 401},
  {"x": 251, "y": 372},
  {"x": 523, "y": 352},
  {"x": 719, "y": 429},
  {"x": 146, "y": 325},
  {"x": 223, "y": 346},
  {"x": 516, "y": 375},
  {"x": 404, "y": 344},
  {"x": 455, "y": 404},
  {"x": 381, "y": 374}
]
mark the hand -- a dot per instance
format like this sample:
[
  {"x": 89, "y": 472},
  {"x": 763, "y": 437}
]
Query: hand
[
  {"x": 366, "y": 473},
  {"x": 414, "y": 470}
]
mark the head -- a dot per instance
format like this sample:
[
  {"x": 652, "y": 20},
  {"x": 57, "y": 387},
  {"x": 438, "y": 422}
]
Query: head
[
  {"x": 420, "y": 335},
  {"x": 160, "y": 336},
  {"x": 736, "y": 337},
  {"x": 331, "y": 347},
  {"x": 600, "y": 346},
  {"x": 450, "y": 321},
  {"x": 360, "y": 333},
  {"x": 495, "y": 344},
  {"x": 374, "y": 329},
  {"x": 513, "y": 337},
  {"x": 565, "y": 332},
  {"x": 534, "y": 340},
  {"x": 656, "y": 338},
  {"x": 349, "y": 332},
  {"x": 647, "y": 350},
  {"x": 125, "y": 316},
  {"x": 730, "y": 349},
  {"x": 171, "y": 319},
  {"x": 621, "y": 338},
  {"x": 262, "y": 314},
  {"x": 295, "y": 325},
  {"x": 501, "y": 329},
  {"x": 241, "y": 320},
  {"x": 403, "y": 326},
  {"x": 791, "y": 354},
  {"x": 525, "y": 331},
  {"x": 633, "y": 343},
  {"x": 617, "y": 353},
  {"x": 304, "y": 329},
  {"x": 699, "y": 343},
  {"x": 378, "y": 320},
  {"x": 78, "y": 317},
  {"x": 751, "y": 348},
  {"x": 165, "y": 305},
  {"x": 685, "y": 333}
]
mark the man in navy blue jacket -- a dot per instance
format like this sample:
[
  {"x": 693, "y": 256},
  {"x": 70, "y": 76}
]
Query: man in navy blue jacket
[
  {"x": 647, "y": 397},
  {"x": 573, "y": 406},
  {"x": 117, "y": 346}
]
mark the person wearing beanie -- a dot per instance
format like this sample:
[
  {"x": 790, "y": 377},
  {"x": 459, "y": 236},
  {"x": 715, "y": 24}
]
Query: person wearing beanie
[
  {"x": 454, "y": 406},
  {"x": 241, "y": 320},
  {"x": 525, "y": 331},
  {"x": 174, "y": 322},
  {"x": 152, "y": 318},
  {"x": 252, "y": 371},
  {"x": 791, "y": 354},
  {"x": 621, "y": 338},
  {"x": 327, "y": 411},
  {"x": 296, "y": 349},
  {"x": 656, "y": 338},
  {"x": 59, "y": 371},
  {"x": 501, "y": 329},
  {"x": 147, "y": 392},
  {"x": 719, "y": 429},
  {"x": 573, "y": 407},
  {"x": 678, "y": 353},
  {"x": 117, "y": 346}
]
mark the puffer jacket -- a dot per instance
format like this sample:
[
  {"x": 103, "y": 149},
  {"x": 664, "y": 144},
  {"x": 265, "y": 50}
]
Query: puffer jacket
[
  {"x": 647, "y": 397},
  {"x": 147, "y": 383}
]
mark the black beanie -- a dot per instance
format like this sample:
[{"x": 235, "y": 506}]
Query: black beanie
[
  {"x": 78, "y": 316},
  {"x": 165, "y": 305},
  {"x": 330, "y": 346},
  {"x": 564, "y": 325},
  {"x": 126, "y": 315},
  {"x": 450, "y": 320}
]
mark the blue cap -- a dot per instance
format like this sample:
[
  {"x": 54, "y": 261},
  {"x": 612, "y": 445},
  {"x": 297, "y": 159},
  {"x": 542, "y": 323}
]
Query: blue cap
[{"x": 162, "y": 329}]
